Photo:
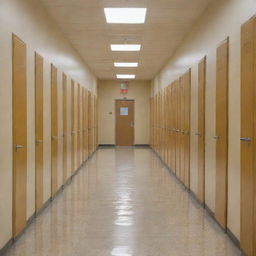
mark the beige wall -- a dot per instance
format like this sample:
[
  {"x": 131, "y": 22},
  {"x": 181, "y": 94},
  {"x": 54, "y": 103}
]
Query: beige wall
[
  {"x": 222, "y": 18},
  {"x": 28, "y": 20},
  {"x": 108, "y": 92}
]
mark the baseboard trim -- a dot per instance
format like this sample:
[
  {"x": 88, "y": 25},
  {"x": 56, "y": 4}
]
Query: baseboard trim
[
  {"x": 12, "y": 241},
  {"x": 193, "y": 195},
  {"x": 6, "y": 247},
  {"x": 106, "y": 145},
  {"x": 142, "y": 145},
  {"x": 232, "y": 237},
  {"x": 45, "y": 205}
]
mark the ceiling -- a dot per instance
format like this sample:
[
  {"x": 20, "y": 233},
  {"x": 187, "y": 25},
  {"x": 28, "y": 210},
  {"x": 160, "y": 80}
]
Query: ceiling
[{"x": 83, "y": 23}]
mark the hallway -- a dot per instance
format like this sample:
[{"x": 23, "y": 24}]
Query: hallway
[{"x": 124, "y": 202}]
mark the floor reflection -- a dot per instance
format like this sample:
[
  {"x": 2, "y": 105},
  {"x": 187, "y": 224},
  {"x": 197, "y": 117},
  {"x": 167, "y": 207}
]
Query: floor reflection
[{"x": 124, "y": 203}]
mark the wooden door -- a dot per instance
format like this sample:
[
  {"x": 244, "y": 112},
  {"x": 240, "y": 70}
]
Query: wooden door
[
  {"x": 73, "y": 133},
  {"x": 221, "y": 137},
  {"x": 65, "y": 137},
  {"x": 201, "y": 130},
  {"x": 186, "y": 131},
  {"x": 83, "y": 123},
  {"x": 178, "y": 129},
  {"x": 248, "y": 174},
  {"x": 172, "y": 127},
  {"x": 54, "y": 131},
  {"x": 176, "y": 125},
  {"x": 86, "y": 137},
  {"x": 182, "y": 129},
  {"x": 19, "y": 118},
  {"x": 92, "y": 122},
  {"x": 124, "y": 122},
  {"x": 89, "y": 123},
  {"x": 78, "y": 125},
  {"x": 39, "y": 127}
]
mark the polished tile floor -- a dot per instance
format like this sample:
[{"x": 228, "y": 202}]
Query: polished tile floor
[{"x": 124, "y": 203}]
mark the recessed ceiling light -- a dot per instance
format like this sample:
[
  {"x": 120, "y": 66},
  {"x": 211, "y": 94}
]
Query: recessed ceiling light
[
  {"x": 125, "y": 76},
  {"x": 126, "y": 64},
  {"x": 125, "y": 15},
  {"x": 125, "y": 47}
]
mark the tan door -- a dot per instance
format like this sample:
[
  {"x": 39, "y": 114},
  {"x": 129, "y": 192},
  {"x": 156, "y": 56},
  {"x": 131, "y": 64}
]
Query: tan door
[
  {"x": 73, "y": 133},
  {"x": 222, "y": 133},
  {"x": 248, "y": 174},
  {"x": 182, "y": 129},
  {"x": 201, "y": 130},
  {"x": 78, "y": 125},
  {"x": 54, "y": 130},
  {"x": 39, "y": 125},
  {"x": 89, "y": 123},
  {"x": 65, "y": 137},
  {"x": 124, "y": 122},
  {"x": 86, "y": 137},
  {"x": 83, "y": 123},
  {"x": 178, "y": 128},
  {"x": 172, "y": 127},
  {"x": 186, "y": 131},
  {"x": 19, "y": 89}
]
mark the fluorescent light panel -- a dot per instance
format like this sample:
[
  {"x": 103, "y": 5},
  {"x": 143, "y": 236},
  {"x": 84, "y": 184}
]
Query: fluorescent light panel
[
  {"x": 125, "y": 47},
  {"x": 125, "y": 15},
  {"x": 126, "y": 64},
  {"x": 119, "y": 76}
]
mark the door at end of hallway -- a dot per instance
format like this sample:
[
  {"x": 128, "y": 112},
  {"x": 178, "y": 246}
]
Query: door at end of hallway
[{"x": 124, "y": 122}]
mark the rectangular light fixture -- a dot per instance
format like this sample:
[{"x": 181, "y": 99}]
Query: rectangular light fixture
[
  {"x": 126, "y": 64},
  {"x": 125, "y": 15},
  {"x": 125, "y": 47},
  {"x": 119, "y": 76}
]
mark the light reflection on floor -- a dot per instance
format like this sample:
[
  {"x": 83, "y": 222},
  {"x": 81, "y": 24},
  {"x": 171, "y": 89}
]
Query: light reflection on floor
[{"x": 124, "y": 203}]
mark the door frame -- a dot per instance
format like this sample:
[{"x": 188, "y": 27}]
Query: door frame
[{"x": 116, "y": 100}]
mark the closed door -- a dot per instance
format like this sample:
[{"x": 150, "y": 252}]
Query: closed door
[
  {"x": 221, "y": 136},
  {"x": 89, "y": 123},
  {"x": 65, "y": 137},
  {"x": 39, "y": 122},
  {"x": 201, "y": 130},
  {"x": 182, "y": 129},
  {"x": 54, "y": 130},
  {"x": 248, "y": 174},
  {"x": 86, "y": 137},
  {"x": 83, "y": 124},
  {"x": 186, "y": 131},
  {"x": 78, "y": 125},
  {"x": 172, "y": 126},
  {"x": 19, "y": 90},
  {"x": 124, "y": 122},
  {"x": 178, "y": 123},
  {"x": 73, "y": 133}
]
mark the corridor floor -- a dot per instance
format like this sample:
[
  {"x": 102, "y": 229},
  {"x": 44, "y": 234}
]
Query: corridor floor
[{"x": 124, "y": 203}]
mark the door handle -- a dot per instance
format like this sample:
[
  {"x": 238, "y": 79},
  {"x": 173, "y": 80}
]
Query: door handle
[
  {"x": 18, "y": 147},
  {"x": 246, "y": 139},
  {"x": 54, "y": 137},
  {"x": 131, "y": 124},
  {"x": 198, "y": 134},
  {"x": 38, "y": 142},
  {"x": 216, "y": 137}
]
